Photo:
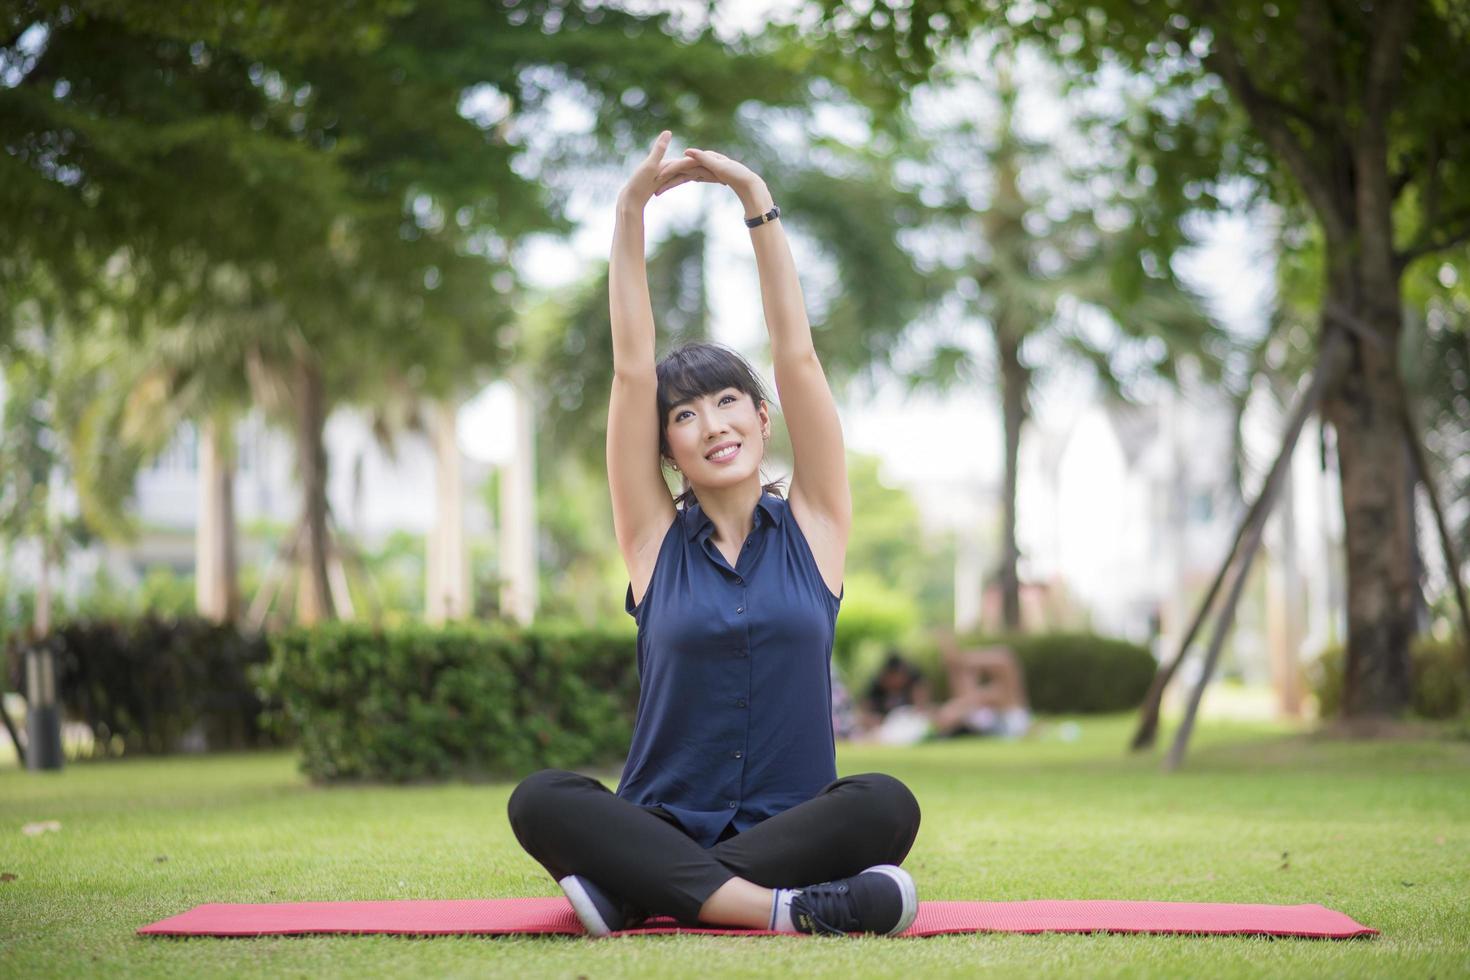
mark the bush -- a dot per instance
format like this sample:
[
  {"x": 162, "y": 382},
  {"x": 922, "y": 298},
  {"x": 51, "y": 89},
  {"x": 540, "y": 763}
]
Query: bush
[
  {"x": 1078, "y": 672},
  {"x": 419, "y": 702},
  {"x": 874, "y": 617},
  {"x": 1441, "y": 678},
  {"x": 144, "y": 684}
]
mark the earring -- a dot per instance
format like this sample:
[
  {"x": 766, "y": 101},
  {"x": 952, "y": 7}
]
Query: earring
[{"x": 675, "y": 466}]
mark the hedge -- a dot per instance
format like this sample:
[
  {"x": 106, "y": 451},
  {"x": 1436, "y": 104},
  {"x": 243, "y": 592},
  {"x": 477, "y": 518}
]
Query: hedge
[
  {"x": 1441, "y": 679},
  {"x": 147, "y": 684},
  {"x": 418, "y": 702},
  {"x": 1078, "y": 672}
]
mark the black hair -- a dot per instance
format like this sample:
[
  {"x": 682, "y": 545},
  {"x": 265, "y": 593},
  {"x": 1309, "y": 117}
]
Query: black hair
[{"x": 696, "y": 369}]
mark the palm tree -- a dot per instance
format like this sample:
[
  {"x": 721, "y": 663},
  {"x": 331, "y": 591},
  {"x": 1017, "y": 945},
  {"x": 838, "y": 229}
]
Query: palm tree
[
  {"x": 198, "y": 373},
  {"x": 65, "y": 367}
]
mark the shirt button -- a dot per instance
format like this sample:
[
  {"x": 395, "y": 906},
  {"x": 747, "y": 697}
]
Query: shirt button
[
  {"x": 739, "y": 580},
  {"x": 740, "y": 703},
  {"x": 740, "y": 609},
  {"x": 736, "y": 754},
  {"x": 733, "y": 804}
]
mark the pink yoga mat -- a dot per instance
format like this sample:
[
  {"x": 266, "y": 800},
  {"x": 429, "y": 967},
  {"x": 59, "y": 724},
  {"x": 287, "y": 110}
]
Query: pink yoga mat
[{"x": 553, "y": 916}]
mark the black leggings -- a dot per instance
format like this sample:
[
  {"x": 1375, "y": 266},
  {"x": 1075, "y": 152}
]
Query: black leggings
[{"x": 572, "y": 824}]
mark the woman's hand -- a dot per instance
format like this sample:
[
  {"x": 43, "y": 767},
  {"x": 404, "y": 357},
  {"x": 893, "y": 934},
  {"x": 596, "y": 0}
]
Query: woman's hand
[
  {"x": 644, "y": 180},
  {"x": 706, "y": 167}
]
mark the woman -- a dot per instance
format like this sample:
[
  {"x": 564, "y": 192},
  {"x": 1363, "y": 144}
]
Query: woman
[{"x": 729, "y": 811}]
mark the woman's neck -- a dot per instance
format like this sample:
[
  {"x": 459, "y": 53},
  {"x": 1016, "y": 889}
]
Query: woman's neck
[{"x": 731, "y": 509}]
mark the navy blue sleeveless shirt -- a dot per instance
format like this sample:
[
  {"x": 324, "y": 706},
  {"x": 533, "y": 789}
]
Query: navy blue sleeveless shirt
[{"x": 734, "y": 719}]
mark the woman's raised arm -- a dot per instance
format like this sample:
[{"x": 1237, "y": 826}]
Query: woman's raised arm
[
  {"x": 820, "y": 497},
  {"x": 642, "y": 508}
]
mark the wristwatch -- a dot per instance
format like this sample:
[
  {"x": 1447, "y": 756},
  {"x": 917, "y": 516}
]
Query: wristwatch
[{"x": 761, "y": 219}]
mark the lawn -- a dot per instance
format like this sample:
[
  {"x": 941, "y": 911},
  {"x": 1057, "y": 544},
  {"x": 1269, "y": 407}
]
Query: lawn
[{"x": 1380, "y": 831}]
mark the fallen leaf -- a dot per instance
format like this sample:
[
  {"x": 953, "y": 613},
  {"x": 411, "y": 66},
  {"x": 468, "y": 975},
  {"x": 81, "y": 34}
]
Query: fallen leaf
[
  {"x": 160, "y": 859},
  {"x": 8, "y": 876},
  {"x": 33, "y": 829}
]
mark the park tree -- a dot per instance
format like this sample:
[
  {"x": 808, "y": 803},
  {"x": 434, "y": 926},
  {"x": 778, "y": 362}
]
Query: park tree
[
  {"x": 31, "y": 461},
  {"x": 1341, "y": 108},
  {"x": 340, "y": 197},
  {"x": 1041, "y": 253},
  {"x": 145, "y": 169},
  {"x": 64, "y": 479},
  {"x": 1438, "y": 349}
]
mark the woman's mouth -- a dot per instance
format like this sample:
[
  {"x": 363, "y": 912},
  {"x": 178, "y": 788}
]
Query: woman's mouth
[{"x": 724, "y": 454}]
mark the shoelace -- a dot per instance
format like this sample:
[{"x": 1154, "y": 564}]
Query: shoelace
[{"x": 820, "y": 905}]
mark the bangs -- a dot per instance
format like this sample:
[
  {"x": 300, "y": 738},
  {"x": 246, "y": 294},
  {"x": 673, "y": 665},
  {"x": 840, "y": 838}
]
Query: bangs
[{"x": 703, "y": 369}]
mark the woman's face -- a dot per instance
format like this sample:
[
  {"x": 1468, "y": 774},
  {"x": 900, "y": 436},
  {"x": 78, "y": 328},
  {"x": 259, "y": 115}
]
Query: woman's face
[{"x": 717, "y": 439}]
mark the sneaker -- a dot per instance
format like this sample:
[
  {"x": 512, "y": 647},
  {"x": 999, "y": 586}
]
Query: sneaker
[
  {"x": 598, "y": 911},
  {"x": 881, "y": 899}
]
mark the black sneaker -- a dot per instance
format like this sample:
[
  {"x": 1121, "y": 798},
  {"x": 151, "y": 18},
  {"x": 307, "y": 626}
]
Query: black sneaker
[
  {"x": 599, "y": 912},
  {"x": 881, "y": 899}
]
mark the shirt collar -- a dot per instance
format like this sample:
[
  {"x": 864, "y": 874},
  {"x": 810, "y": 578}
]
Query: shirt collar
[{"x": 698, "y": 523}]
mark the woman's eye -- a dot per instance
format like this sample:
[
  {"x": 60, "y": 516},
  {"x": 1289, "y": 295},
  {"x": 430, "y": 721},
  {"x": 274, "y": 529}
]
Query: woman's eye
[{"x": 727, "y": 398}]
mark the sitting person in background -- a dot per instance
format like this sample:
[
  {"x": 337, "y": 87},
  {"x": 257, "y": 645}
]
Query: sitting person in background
[
  {"x": 987, "y": 692},
  {"x": 895, "y": 709},
  {"x": 898, "y": 684},
  {"x": 987, "y": 697}
]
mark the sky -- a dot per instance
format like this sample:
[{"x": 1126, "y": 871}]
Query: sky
[{"x": 954, "y": 438}]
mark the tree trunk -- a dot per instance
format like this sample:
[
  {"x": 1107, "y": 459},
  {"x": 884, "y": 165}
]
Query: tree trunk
[
  {"x": 41, "y": 623},
  {"x": 1283, "y": 604},
  {"x": 1344, "y": 174},
  {"x": 448, "y": 558},
  {"x": 1329, "y": 361},
  {"x": 1366, "y": 412},
  {"x": 1013, "y": 382},
  {"x": 1329, "y": 368},
  {"x": 216, "y": 567},
  {"x": 314, "y": 594},
  {"x": 518, "y": 571},
  {"x": 1416, "y": 553},
  {"x": 1441, "y": 525},
  {"x": 1329, "y": 543},
  {"x": 969, "y": 583}
]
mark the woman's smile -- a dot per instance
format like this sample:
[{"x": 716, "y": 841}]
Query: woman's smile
[{"x": 724, "y": 453}]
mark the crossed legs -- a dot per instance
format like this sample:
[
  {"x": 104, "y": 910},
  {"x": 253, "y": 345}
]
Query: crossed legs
[{"x": 572, "y": 824}]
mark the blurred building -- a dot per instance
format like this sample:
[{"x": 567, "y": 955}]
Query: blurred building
[
  {"x": 1130, "y": 510},
  {"x": 1125, "y": 513},
  {"x": 373, "y": 490}
]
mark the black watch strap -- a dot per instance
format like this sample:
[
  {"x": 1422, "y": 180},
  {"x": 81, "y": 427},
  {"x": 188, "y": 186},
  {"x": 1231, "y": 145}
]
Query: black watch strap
[{"x": 761, "y": 219}]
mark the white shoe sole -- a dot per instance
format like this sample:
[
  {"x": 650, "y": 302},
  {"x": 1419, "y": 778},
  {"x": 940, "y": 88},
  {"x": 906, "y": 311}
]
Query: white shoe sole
[
  {"x": 583, "y": 905},
  {"x": 906, "y": 888}
]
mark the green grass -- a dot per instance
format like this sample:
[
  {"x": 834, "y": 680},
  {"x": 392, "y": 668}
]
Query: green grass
[{"x": 1380, "y": 831}]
